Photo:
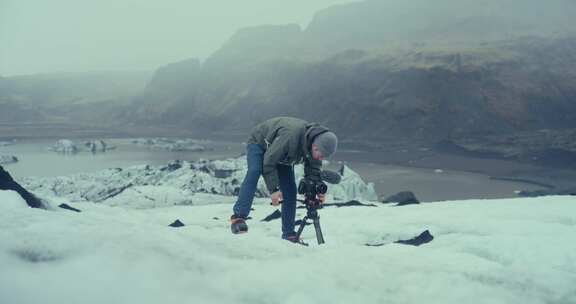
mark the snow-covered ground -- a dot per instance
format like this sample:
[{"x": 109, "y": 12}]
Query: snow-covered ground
[
  {"x": 120, "y": 249},
  {"x": 173, "y": 184},
  {"x": 484, "y": 251}
]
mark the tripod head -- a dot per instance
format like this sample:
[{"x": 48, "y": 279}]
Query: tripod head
[{"x": 310, "y": 189}]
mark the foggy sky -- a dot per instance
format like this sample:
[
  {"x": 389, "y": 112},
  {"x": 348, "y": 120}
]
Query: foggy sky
[{"x": 38, "y": 36}]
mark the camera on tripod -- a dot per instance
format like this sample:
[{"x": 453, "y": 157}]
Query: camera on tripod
[{"x": 310, "y": 188}]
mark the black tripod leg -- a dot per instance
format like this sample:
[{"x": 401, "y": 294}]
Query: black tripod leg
[
  {"x": 301, "y": 228},
  {"x": 319, "y": 235}
]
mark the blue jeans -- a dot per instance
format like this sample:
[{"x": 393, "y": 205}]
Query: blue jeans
[{"x": 255, "y": 159}]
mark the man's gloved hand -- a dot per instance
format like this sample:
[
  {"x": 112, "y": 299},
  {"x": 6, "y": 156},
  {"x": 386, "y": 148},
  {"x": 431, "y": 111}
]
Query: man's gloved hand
[{"x": 276, "y": 198}]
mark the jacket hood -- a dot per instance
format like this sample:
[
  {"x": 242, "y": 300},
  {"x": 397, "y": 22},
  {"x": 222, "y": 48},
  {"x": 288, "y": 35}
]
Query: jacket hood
[{"x": 312, "y": 130}]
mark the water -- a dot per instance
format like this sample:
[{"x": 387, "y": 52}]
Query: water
[
  {"x": 433, "y": 185},
  {"x": 427, "y": 184},
  {"x": 36, "y": 160}
]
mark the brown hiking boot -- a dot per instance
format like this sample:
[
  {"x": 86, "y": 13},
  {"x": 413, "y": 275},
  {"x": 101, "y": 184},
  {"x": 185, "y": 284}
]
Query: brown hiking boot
[{"x": 238, "y": 224}]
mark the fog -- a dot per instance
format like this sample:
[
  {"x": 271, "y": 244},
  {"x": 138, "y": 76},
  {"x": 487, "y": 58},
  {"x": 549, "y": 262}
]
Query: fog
[{"x": 82, "y": 35}]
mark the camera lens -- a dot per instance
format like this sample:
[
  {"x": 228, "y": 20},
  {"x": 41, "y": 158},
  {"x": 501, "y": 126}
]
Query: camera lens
[{"x": 321, "y": 188}]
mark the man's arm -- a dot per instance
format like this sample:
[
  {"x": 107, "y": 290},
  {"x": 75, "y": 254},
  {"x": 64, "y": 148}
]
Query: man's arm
[
  {"x": 273, "y": 155},
  {"x": 312, "y": 169}
]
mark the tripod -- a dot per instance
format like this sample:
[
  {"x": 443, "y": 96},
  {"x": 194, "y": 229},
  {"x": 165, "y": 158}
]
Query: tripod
[{"x": 312, "y": 205}]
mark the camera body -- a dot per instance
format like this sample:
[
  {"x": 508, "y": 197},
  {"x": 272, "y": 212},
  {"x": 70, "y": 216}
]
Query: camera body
[{"x": 310, "y": 188}]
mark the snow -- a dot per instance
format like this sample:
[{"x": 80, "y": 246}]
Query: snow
[
  {"x": 11, "y": 199},
  {"x": 8, "y": 159},
  {"x": 65, "y": 146},
  {"x": 119, "y": 249},
  {"x": 485, "y": 251},
  {"x": 172, "y": 144},
  {"x": 180, "y": 179},
  {"x": 97, "y": 145}
]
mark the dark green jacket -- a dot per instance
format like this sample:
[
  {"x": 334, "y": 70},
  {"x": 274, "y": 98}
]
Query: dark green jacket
[{"x": 287, "y": 141}]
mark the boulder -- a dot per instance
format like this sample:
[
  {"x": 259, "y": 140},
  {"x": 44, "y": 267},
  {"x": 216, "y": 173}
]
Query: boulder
[
  {"x": 402, "y": 198},
  {"x": 177, "y": 224},
  {"x": 422, "y": 238}
]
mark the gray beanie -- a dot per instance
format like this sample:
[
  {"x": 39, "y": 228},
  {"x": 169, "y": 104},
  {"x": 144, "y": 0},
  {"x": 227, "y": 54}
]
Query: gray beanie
[{"x": 327, "y": 143}]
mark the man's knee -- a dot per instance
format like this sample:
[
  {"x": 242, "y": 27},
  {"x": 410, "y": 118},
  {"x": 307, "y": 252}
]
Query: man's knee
[{"x": 254, "y": 171}]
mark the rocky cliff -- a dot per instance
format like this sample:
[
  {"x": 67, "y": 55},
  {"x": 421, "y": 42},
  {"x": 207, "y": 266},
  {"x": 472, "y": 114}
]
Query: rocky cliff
[{"x": 424, "y": 92}]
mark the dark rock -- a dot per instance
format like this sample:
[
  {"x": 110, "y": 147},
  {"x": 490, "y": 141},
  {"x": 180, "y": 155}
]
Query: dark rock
[
  {"x": 216, "y": 218},
  {"x": 173, "y": 166},
  {"x": 176, "y": 224},
  {"x": 7, "y": 183},
  {"x": 423, "y": 238},
  {"x": 68, "y": 207},
  {"x": 375, "y": 245},
  {"x": 351, "y": 203},
  {"x": 223, "y": 173},
  {"x": 402, "y": 198},
  {"x": 273, "y": 216},
  {"x": 36, "y": 256}
]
